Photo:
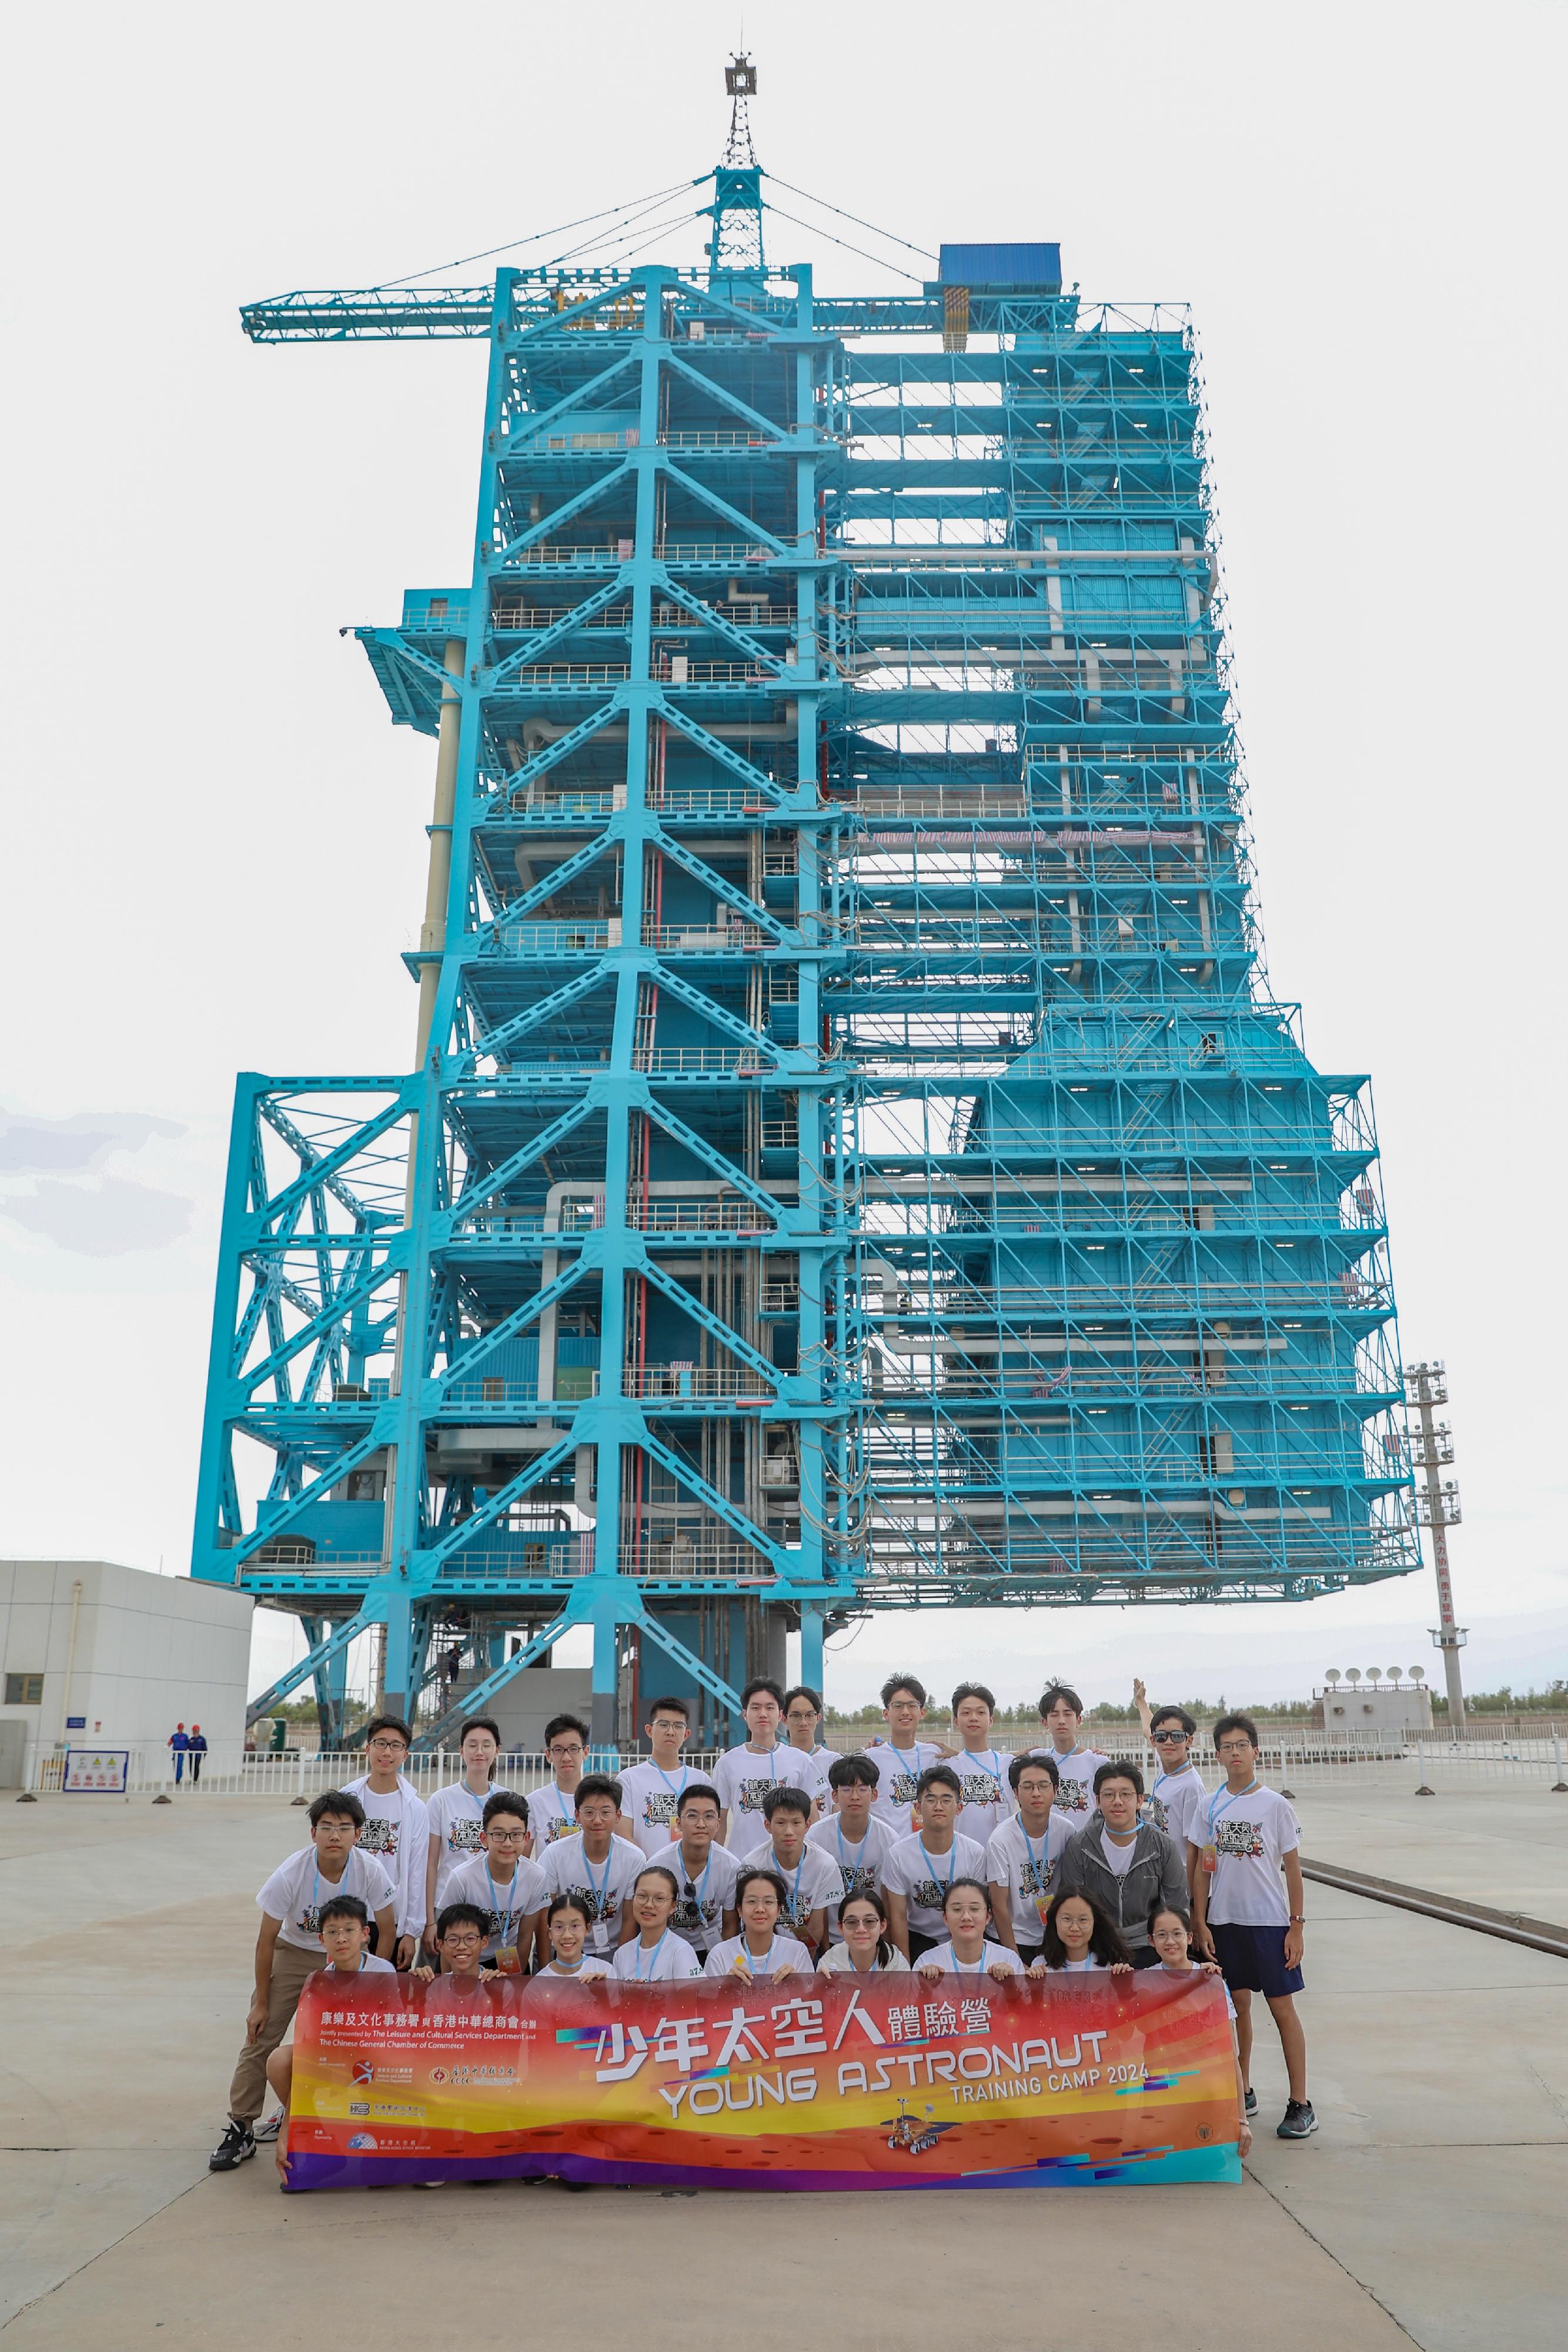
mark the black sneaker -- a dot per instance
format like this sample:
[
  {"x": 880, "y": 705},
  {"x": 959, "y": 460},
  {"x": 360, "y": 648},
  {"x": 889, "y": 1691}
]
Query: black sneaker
[
  {"x": 1250, "y": 2102},
  {"x": 237, "y": 2142},
  {"x": 1298, "y": 2121},
  {"x": 270, "y": 2128}
]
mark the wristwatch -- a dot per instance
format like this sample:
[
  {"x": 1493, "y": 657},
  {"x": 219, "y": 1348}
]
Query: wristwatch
[{"x": 1297, "y": 1919}]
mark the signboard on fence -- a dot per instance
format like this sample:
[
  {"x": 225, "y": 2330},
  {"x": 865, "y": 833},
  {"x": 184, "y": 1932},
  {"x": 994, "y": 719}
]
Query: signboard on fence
[
  {"x": 815, "y": 2083},
  {"x": 104, "y": 1770}
]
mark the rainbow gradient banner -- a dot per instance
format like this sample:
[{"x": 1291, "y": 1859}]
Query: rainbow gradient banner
[{"x": 884, "y": 2081}]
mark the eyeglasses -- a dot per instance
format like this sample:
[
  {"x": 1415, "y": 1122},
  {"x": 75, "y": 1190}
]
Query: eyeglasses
[
  {"x": 390, "y": 1746},
  {"x": 1168, "y": 1738},
  {"x": 506, "y": 1837}
]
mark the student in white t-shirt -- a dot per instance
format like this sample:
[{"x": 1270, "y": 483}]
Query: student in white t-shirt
[
  {"x": 505, "y": 1886},
  {"x": 288, "y": 1949},
  {"x": 396, "y": 1827},
  {"x": 812, "y": 1880},
  {"x": 921, "y": 1868},
  {"x": 1176, "y": 1792},
  {"x": 1077, "y": 1935},
  {"x": 453, "y": 1815},
  {"x": 652, "y": 1789},
  {"x": 851, "y": 1834},
  {"x": 803, "y": 1728},
  {"x": 1024, "y": 1855},
  {"x": 902, "y": 1756},
  {"x": 1062, "y": 1712},
  {"x": 596, "y": 1864},
  {"x": 654, "y": 1953},
  {"x": 1170, "y": 1936},
  {"x": 552, "y": 1810},
  {"x": 346, "y": 1931},
  {"x": 1249, "y": 1908},
  {"x": 705, "y": 1870},
  {"x": 982, "y": 1770},
  {"x": 864, "y": 1945},
  {"x": 460, "y": 1981},
  {"x": 761, "y": 1952},
  {"x": 569, "y": 1959},
  {"x": 744, "y": 1775},
  {"x": 965, "y": 1951}
]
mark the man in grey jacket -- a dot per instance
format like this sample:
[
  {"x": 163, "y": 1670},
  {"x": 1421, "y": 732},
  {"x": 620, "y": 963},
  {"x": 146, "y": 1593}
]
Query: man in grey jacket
[{"x": 1123, "y": 1864}]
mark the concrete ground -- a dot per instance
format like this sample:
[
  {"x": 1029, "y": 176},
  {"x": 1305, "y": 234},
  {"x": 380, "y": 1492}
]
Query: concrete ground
[{"x": 1427, "y": 2210}]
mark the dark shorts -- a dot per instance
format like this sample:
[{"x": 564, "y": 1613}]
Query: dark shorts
[
  {"x": 1029, "y": 1953},
  {"x": 919, "y": 1944},
  {"x": 1144, "y": 1956},
  {"x": 1252, "y": 1960}
]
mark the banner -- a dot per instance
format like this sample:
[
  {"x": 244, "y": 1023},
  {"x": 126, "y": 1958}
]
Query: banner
[{"x": 883, "y": 2081}]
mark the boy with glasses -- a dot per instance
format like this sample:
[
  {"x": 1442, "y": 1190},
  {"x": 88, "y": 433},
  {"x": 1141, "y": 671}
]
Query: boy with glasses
[
  {"x": 921, "y": 1868},
  {"x": 1177, "y": 1791},
  {"x": 397, "y": 1829},
  {"x": 552, "y": 1810},
  {"x": 803, "y": 1728},
  {"x": 706, "y": 1872},
  {"x": 650, "y": 1791},
  {"x": 596, "y": 1864},
  {"x": 1024, "y": 1858},
  {"x": 1249, "y": 1908},
  {"x": 902, "y": 1756},
  {"x": 508, "y": 1888},
  {"x": 852, "y": 1835}
]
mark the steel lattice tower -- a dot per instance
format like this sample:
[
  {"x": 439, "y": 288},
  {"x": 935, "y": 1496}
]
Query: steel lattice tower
[{"x": 853, "y": 1158}]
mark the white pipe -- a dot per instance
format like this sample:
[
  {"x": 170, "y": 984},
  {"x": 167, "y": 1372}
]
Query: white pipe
[{"x": 70, "y": 1659}]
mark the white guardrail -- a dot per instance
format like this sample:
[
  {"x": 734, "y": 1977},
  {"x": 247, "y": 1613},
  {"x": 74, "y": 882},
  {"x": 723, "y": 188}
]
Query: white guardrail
[{"x": 1295, "y": 1759}]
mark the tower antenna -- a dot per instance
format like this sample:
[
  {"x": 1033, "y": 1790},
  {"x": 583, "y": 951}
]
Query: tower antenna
[{"x": 734, "y": 248}]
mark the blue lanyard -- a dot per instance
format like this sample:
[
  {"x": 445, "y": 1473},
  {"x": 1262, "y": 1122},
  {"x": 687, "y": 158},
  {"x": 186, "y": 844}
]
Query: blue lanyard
[
  {"x": 958, "y": 1968},
  {"x": 600, "y": 1892},
  {"x": 1042, "y": 1867},
  {"x": 839, "y": 1832},
  {"x": 994, "y": 1768},
  {"x": 503, "y": 1913},
  {"x": 652, "y": 1958},
  {"x": 685, "y": 1776},
  {"x": 701, "y": 1885},
  {"x": 1235, "y": 1800},
  {"x": 753, "y": 1963},
  {"x": 952, "y": 1867}
]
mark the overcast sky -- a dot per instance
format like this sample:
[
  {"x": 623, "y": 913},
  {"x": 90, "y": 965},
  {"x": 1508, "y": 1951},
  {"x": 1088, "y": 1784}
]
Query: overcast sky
[{"x": 213, "y": 847}]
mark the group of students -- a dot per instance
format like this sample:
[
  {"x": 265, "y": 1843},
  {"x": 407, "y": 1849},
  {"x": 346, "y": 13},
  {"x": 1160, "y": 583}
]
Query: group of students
[{"x": 786, "y": 1857}]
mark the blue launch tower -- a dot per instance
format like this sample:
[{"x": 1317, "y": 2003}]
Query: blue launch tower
[{"x": 851, "y": 1158}]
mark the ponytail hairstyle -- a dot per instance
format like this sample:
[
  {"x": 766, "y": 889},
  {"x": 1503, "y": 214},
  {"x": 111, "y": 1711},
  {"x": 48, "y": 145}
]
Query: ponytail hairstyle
[{"x": 1105, "y": 1944}]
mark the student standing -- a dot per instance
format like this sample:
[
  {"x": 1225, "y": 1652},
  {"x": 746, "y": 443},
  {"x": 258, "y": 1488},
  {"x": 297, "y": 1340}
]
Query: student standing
[
  {"x": 810, "y": 1878},
  {"x": 1024, "y": 1856},
  {"x": 1176, "y": 1792},
  {"x": 501, "y": 1882},
  {"x": 1062, "y": 1712},
  {"x": 965, "y": 1951},
  {"x": 851, "y": 1834},
  {"x": 196, "y": 1751},
  {"x": 761, "y": 1951},
  {"x": 650, "y": 1791},
  {"x": 803, "y": 1728},
  {"x": 396, "y": 1830},
  {"x": 744, "y": 1775},
  {"x": 1169, "y": 1935},
  {"x": 289, "y": 1948},
  {"x": 1125, "y": 1865},
  {"x": 705, "y": 1871},
  {"x": 982, "y": 1770},
  {"x": 552, "y": 1810},
  {"x": 864, "y": 1947},
  {"x": 921, "y": 1867},
  {"x": 1249, "y": 1909},
  {"x": 179, "y": 1740},
  {"x": 453, "y": 1815},
  {"x": 655, "y": 1953},
  {"x": 902, "y": 1756},
  {"x": 596, "y": 1864}
]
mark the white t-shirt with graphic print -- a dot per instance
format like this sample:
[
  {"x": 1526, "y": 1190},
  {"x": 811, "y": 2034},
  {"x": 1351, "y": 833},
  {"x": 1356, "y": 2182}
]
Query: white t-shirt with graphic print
[
  {"x": 1027, "y": 1867},
  {"x": 396, "y": 1832},
  {"x": 742, "y": 1777},
  {"x": 898, "y": 1771},
  {"x": 923, "y": 1877},
  {"x": 604, "y": 1885},
  {"x": 1075, "y": 1782},
  {"x": 1172, "y": 1802},
  {"x": 1250, "y": 1835},
  {"x": 648, "y": 1796},
  {"x": 297, "y": 1889},
  {"x": 454, "y": 1815},
  {"x": 859, "y": 1864}
]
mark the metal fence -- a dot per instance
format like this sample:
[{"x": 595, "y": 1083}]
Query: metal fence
[{"x": 1294, "y": 1758}]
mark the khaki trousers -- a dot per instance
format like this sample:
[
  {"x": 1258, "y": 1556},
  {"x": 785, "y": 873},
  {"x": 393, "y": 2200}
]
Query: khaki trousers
[{"x": 290, "y": 1966}]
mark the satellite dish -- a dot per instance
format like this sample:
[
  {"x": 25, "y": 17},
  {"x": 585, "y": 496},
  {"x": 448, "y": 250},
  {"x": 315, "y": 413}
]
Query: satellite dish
[
  {"x": 1333, "y": 1676},
  {"x": 1354, "y": 1675},
  {"x": 1374, "y": 1674},
  {"x": 1417, "y": 1674}
]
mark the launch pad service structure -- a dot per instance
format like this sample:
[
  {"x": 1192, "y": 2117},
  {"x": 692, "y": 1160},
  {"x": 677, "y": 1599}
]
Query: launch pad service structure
[{"x": 853, "y": 1160}]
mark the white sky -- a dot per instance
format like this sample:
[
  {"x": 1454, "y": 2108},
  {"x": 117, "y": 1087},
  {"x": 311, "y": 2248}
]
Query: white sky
[{"x": 214, "y": 844}]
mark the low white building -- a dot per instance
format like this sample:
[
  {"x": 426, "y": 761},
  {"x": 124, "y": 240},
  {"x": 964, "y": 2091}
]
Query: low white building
[
  {"x": 1367, "y": 1707},
  {"x": 95, "y": 1653}
]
